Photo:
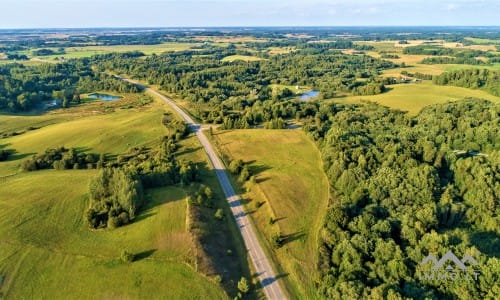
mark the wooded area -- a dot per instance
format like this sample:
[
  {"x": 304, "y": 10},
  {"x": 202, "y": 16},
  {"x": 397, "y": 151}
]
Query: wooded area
[{"x": 400, "y": 192}]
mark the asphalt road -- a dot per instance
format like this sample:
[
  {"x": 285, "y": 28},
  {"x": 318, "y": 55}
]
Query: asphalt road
[{"x": 263, "y": 268}]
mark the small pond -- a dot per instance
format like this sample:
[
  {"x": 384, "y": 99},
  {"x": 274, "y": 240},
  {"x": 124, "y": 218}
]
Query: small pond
[
  {"x": 308, "y": 95},
  {"x": 104, "y": 97}
]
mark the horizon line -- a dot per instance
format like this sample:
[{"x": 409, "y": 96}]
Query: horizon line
[{"x": 251, "y": 26}]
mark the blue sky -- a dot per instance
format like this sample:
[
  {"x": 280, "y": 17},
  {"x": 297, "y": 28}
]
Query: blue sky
[{"x": 169, "y": 13}]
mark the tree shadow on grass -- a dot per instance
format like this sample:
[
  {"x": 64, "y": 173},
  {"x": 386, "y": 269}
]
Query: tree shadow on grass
[
  {"x": 144, "y": 254},
  {"x": 18, "y": 156},
  {"x": 144, "y": 215},
  {"x": 187, "y": 151},
  {"x": 289, "y": 238},
  {"x": 257, "y": 169},
  {"x": 82, "y": 149}
]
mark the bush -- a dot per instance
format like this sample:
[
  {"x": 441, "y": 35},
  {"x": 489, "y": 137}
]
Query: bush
[
  {"x": 127, "y": 256},
  {"x": 277, "y": 241},
  {"x": 219, "y": 214},
  {"x": 243, "y": 285},
  {"x": 236, "y": 166}
]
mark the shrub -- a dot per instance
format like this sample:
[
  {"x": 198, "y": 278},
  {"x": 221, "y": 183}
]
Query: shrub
[
  {"x": 127, "y": 256},
  {"x": 243, "y": 285},
  {"x": 219, "y": 214}
]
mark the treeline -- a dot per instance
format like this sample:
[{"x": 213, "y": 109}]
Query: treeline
[
  {"x": 453, "y": 60},
  {"x": 338, "y": 44},
  {"x": 27, "y": 87},
  {"x": 62, "y": 158},
  {"x": 47, "y": 51},
  {"x": 471, "y": 78},
  {"x": 401, "y": 192},
  {"x": 417, "y": 75}
]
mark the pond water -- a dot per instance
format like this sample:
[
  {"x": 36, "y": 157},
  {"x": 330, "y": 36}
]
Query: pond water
[
  {"x": 104, "y": 97},
  {"x": 308, "y": 95}
]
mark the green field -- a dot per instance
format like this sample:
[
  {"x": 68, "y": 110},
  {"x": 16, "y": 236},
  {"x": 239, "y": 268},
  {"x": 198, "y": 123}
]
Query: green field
[
  {"x": 47, "y": 250},
  {"x": 231, "y": 58},
  {"x": 87, "y": 51},
  {"x": 436, "y": 69},
  {"x": 291, "y": 183},
  {"x": 111, "y": 133},
  {"x": 413, "y": 97}
]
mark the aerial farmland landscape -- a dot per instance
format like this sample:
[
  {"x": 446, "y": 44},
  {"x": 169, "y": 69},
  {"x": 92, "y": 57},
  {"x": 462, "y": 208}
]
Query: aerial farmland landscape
[{"x": 249, "y": 149}]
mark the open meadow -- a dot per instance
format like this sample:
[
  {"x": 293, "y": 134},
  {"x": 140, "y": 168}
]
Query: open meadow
[
  {"x": 47, "y": 249},
  {"x": 415, "y": 96},
  {"x": 290, "y": 189}
]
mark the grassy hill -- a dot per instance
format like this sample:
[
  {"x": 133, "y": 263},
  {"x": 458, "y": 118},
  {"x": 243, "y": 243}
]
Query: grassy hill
[
  {"x": 292, "y": 189},
  {"x": 48, "y": 251}
]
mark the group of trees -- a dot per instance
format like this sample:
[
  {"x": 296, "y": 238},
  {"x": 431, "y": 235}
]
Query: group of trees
[
  {"x": 27, "y": 87},
  {"x": 400, "y": 191},
  {"x": 471, "y": 78},
  {"x": 62, "y": 159},
  {"x": 47, "y": 51},
  {"x": 117, "y": 193},
  {"x": 115, "y": 198}
]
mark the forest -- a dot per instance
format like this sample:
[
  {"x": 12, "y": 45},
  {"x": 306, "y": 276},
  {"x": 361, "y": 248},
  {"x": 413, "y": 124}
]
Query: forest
[
  {"x": 225, "y": 92},
  {"x": 402, "y": 188}
]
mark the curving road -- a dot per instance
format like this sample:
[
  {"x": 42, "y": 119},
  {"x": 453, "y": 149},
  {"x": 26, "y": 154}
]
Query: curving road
[{"x": 265, "y": 273}]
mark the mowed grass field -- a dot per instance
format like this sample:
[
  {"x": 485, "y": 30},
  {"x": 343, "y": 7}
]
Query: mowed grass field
[
  {"x": 435, "y": 69},
  {"x": 413, "y": 97},
  {"x": 291, "y": 184},
  {"x": 47, "y": 251},
  {"x": 232, "y": 58}
]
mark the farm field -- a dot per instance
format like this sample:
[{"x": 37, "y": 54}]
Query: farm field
[
  {"x": 241, "y": 57},
  {"x": 413, "y": 97},
  {"x": 87, "y": 51},
  {"x": 294, "y": 191},
  {"x": 435, "y": 69}
]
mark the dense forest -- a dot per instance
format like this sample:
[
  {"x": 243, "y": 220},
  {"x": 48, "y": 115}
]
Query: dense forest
[
  {"x": 472, "y": 78},
  {"x": 27, "y": 87},
  {"x": 402, "y": 188}
]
